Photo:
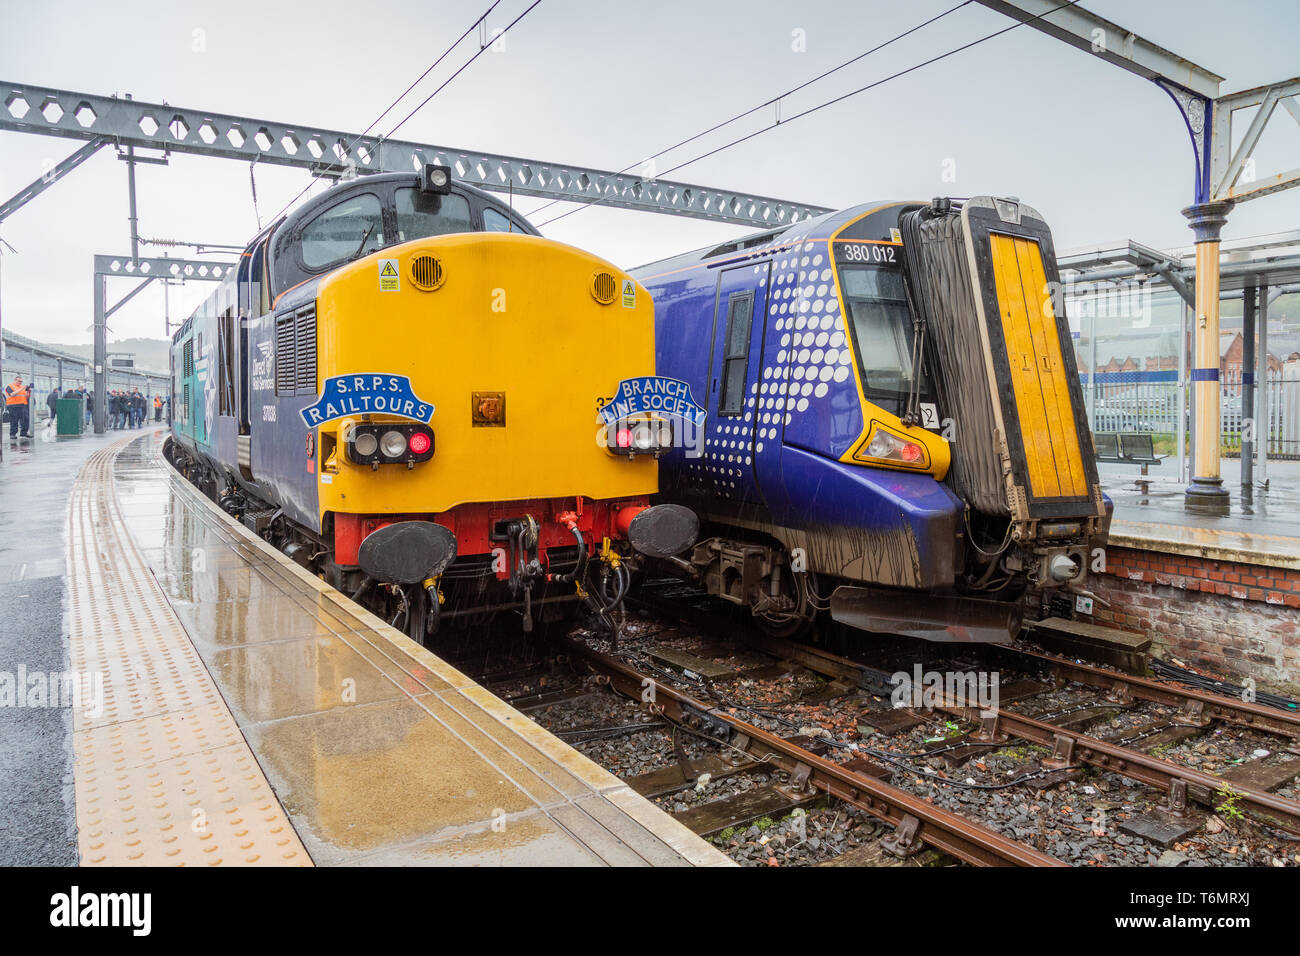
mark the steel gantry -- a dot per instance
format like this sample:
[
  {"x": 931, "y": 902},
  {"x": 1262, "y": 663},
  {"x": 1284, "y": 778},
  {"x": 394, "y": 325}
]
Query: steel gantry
[
  {"x": 131, "y": 125},
  {"x": 1223, "y": 176},
  {"x": 146, "y": 270},
  {"x": 135, "y": 124}
]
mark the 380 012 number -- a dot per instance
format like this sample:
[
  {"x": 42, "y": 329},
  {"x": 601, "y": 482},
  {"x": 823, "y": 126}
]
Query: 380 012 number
[{"x": 866, "y": 252}]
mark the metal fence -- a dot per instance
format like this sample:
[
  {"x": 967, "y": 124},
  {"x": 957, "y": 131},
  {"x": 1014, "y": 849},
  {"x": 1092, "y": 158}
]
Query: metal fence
[
  {"x": 45, "y": 367},
  {"x": 1149, "y": 402}
]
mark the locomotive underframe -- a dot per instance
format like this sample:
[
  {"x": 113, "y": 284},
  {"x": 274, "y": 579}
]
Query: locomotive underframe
[
  {"x": 544, "y": 593},
  {"x": 786, "y": 584}
]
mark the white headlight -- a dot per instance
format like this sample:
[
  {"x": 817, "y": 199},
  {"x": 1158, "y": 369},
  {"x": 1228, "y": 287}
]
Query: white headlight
[
  {"x": 643, "y": 436},
  {"x": 393, "y": 444},
  {"x": 365, "y": 444}
]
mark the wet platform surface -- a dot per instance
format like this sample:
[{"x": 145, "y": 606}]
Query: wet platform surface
[
  {"x": 1262, "y": 526},
  {"x": 38, "y": 822},
  {"x": 242, "y": 692}
]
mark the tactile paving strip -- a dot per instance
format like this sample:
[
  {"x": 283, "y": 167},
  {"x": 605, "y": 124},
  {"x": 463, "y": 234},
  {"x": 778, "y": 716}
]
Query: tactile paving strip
[{"x": 162, "y": 773}]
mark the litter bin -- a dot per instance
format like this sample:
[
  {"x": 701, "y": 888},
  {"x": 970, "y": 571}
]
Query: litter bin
[{"x": 72, "y": 413}]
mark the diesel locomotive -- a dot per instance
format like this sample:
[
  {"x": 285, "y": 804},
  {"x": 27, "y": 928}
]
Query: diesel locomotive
[
  {"x": 401, "y": 386},
  {"x": 895, "y": 428}
]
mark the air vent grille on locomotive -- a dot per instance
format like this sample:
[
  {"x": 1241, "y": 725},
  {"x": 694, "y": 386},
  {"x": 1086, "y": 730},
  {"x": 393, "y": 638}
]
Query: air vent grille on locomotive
[
  {"x": 603, "y": 288},
  {"x": 426, "y": 273},
  {"x": 295, "y": 351}
]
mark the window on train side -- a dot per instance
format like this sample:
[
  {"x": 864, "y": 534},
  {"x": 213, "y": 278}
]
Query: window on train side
[
  {"x": 740, "y": 314},
  {"x": 422, "y": 214},
  {"x": 353, "y": 228}
]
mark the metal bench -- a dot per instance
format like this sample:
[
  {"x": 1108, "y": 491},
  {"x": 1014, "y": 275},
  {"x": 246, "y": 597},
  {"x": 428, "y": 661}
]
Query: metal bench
[
  {"x": 1127, "y": 448},
  {"x": 1107, "y": 446}
]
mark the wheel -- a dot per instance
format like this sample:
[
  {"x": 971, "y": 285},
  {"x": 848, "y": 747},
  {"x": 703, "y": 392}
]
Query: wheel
[
  {"x": 794, "y": 622},
  {"x": 783, "y": 627}
]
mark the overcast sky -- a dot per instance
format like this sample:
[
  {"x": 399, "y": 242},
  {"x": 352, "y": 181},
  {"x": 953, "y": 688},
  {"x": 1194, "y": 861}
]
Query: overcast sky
[{"x": 1103, "y": 154}]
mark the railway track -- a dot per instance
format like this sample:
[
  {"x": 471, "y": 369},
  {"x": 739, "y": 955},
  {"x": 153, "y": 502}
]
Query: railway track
[
  {"x": 748, "y": 738},
  {"x": 1066, "y": 720}
]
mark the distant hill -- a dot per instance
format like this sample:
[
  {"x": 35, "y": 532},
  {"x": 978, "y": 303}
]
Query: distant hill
[{"x": 150, "y": 354}]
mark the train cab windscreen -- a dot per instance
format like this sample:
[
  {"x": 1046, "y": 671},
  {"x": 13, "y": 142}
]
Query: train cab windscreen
[
  {"x": 876, "y": 302},
  {"x": 420, "y": 215},
  {"x": 348, "y": 230}
]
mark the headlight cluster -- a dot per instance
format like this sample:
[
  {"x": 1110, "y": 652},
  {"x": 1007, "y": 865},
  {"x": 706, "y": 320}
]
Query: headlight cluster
[
  {"x": 892, "y": 448},
  {"x": 388, "y": 444},
  {"x": 640, "y": 437}
]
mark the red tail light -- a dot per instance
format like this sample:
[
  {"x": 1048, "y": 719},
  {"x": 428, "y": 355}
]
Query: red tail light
[
  {"x": 419, "y": 443},
  {"x": 911, "y": 452},
  {"x": 624, "y": 438}
]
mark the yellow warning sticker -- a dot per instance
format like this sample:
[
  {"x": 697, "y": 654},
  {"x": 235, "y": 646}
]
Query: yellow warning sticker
[
  {"x": 389, "y": 280},
  {"x": 629, "y": 294},
  {"x": 895, "y": 235}
]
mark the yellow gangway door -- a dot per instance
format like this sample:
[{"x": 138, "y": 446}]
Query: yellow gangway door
[{"x": 1053, "y": 457}]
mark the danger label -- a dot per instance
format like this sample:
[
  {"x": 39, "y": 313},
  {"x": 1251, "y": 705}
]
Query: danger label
[
  {"x": 389, "y": 280},
  {"x": 629, "y": 294}
]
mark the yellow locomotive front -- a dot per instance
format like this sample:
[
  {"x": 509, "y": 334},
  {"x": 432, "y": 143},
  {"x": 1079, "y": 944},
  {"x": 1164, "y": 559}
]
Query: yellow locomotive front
[{"x": 462, "y": 458}]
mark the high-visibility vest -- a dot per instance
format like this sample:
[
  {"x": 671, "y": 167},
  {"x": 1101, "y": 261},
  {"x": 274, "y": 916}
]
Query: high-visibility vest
[
  {"x": 15, "y": 394},
  {"x": 157, "y": 401}
]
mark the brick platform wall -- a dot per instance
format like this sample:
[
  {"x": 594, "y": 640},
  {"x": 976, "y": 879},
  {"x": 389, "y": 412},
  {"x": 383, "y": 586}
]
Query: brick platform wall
[{"x": 1237, "y": 619}]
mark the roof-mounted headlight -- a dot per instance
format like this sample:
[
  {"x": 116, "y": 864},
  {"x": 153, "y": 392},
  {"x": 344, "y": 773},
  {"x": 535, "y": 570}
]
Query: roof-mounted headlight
[{"x": 435, "y": 179}]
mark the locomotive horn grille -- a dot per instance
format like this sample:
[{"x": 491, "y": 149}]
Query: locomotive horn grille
[
  {"x": 426, "y": 273},
  {"x": 603, "y": 288}
]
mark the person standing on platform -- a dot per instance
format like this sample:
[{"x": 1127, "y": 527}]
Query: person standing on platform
[
  {"x": 157, "y": 407},
  {"x": 52, "y": 403},
  {"x": 90, "y": 407},
  {"x": 18, "y": 399}
]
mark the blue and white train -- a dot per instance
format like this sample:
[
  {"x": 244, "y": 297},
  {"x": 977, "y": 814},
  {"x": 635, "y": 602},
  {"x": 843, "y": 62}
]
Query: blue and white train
[{"x": 896, "y": 432}]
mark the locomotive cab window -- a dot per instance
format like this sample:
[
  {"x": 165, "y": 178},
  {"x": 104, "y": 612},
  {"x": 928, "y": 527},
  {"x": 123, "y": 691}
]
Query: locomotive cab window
[
  {"x": 420, "y": 215},
  {"x": 493, "y": 221},
  {"x": 349, "y": 230},
  {"x": 740, "y": 313},
  {"x": 876, "y": 301}
]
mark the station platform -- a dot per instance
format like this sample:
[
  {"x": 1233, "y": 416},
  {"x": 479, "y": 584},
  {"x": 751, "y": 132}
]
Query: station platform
[
  {"x": 1218, "y": 593},
  {"x": 1262, "y": 526},
  {"x": 236, "y": 710}
]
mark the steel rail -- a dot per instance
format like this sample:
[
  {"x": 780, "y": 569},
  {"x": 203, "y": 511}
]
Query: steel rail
[
  {"x": 1070, "y": 747},
  {"x": 915, "y": 821},
  {"x": 1215, "y": 706}
]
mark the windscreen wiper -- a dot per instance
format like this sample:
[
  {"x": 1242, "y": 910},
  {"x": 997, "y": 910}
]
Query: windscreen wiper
[{"x": 365, "y": 237}]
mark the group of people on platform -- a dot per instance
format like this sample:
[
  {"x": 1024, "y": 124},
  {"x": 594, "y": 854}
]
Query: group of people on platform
[
  {"x": 131, "y": 409},
  {"x": 126, "y": 409}
]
